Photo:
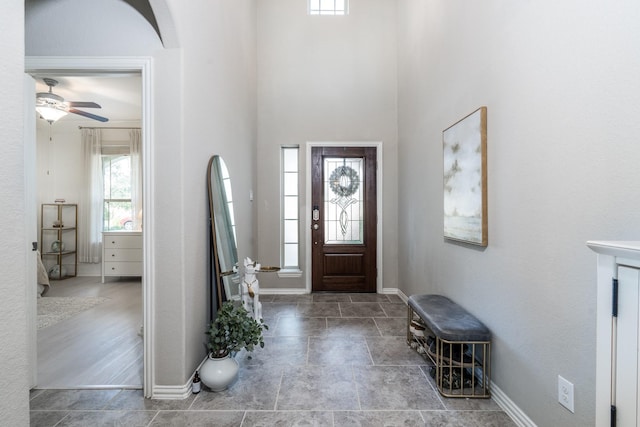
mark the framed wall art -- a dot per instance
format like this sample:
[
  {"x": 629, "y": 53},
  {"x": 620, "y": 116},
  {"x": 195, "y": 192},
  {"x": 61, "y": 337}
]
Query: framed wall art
[{"x": 464, "y": 146}]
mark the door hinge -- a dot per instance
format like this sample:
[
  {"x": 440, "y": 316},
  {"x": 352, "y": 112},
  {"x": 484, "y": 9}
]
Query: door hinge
[
  {"x": 613, "y": 415},
  {"x": 614, "y": 299}
]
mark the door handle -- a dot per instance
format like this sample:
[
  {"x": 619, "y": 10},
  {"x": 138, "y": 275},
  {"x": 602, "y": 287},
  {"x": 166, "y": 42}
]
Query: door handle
[{"x": 34, "y": 246}]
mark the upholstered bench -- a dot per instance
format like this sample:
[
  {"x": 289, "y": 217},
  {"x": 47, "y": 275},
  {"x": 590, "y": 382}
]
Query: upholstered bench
[{"x": 458, "y": 344}]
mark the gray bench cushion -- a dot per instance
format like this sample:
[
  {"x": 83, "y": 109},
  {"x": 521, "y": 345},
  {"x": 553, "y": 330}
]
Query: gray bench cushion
[{"x": 448, "y": 320}]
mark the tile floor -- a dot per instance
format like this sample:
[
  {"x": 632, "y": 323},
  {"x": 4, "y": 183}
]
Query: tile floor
[{"x": 329, "y": 360}]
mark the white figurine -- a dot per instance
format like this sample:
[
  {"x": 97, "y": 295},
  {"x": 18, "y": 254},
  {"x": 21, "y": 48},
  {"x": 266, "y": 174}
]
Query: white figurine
[{"x": 250, "y": 289}]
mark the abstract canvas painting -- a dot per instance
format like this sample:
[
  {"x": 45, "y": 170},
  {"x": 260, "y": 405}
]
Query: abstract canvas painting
[{"x": 465, "y": 179}]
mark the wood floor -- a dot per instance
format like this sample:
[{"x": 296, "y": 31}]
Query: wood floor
[{"x": 99, "y": 347}]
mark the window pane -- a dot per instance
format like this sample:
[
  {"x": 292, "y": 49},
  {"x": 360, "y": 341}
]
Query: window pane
[
  {"x": 343, "y": 200},
  {"x": 118, "y": 210},
  {"x": 290, "y": 159},
  {"x": 291, "y": 231},
  {"x": 291, "y": 255},
  {"x": 290, "y": 184},
  {"x": 326, "y": 4},
  {"x": 120, "y": 176},
  {"x": 290, "y": 210},
  {"x": 328, "y": 7},
  {"x": 117, "y": 214}
]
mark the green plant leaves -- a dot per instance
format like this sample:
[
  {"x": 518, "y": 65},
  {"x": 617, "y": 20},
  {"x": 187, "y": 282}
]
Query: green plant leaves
[{"x": 234, "y": 330}]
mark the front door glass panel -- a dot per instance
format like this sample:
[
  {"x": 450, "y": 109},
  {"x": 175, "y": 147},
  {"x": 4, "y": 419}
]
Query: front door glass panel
[{"x": 343, "y": 201}]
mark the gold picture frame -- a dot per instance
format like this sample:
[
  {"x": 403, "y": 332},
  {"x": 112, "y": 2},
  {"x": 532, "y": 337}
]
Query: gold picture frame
[{"x": 464, "y": 146}]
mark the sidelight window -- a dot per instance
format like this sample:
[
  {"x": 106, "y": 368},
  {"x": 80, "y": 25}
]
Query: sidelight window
[{"x": 290, "y": 234}]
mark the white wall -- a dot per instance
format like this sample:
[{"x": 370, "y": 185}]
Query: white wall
[
  {"x": 73, "y": 29},
  {"x": 14, "y": 372},
  {"x": 323, "y": 78},
  {"x": 218, "y": 117},
  {"x": 59, "y": 162},
  {"x": 560, "y": 80}
]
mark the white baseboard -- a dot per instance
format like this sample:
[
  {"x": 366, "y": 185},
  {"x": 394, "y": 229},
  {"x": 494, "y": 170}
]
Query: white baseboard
[
  {"x": 402, "y": 296},
  {"x": 510, "y": 408},
  {"x": 170, "y": 392},
  {"x": 299, "y": 291},
  {"x": 283, "y": 291}
]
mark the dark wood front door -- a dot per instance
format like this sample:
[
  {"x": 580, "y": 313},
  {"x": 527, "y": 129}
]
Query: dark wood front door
[{"x": 344, "y": 219}]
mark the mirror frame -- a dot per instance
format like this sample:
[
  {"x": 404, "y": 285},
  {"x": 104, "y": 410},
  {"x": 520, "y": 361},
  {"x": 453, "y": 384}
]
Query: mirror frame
[{"x": 218, "y": 200}]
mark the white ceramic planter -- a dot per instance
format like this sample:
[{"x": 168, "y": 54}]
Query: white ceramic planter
[{"x": 219, "y": 373}]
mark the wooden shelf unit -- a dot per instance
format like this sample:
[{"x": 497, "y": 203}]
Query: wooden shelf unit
[{"x": 59, "y": 243}]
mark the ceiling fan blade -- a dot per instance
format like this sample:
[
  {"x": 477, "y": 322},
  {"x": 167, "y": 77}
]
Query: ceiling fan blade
[
  {"x": 89, "y": 115},
  {"x": 82, "y": 104}
]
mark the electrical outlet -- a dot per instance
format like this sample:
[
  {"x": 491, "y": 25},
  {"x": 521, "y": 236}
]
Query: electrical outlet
[{"x": 565, "y": 393}]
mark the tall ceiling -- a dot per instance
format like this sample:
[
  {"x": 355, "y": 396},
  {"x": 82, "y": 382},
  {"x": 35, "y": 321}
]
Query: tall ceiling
[{"x": 119, "y": 95}]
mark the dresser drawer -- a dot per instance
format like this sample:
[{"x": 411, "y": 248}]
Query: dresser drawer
[
  {"x": 131, "y": 255},
  {"x": 122, "y": 253},
  {"x": 123, "y": 268},
  {"x": 120, "y": 241}
]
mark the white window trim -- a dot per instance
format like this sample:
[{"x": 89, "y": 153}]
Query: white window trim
[{"x": 289, "y": 273}]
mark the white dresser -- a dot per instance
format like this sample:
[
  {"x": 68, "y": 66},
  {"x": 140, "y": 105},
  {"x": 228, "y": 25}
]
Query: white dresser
[{"x": 121, "y": 253}]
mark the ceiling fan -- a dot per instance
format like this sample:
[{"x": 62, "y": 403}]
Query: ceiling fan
[{"x": 53, "y": 107}]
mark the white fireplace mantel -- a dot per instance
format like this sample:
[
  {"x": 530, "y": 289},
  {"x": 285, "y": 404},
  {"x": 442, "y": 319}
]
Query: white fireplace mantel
[
  {"x": 614, "y": 259},
  {"x": 616, "y": 249}
]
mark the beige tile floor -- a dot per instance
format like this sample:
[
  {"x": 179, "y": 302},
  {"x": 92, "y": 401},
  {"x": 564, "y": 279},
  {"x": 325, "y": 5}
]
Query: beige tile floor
[{"x": 329, "y": 360}]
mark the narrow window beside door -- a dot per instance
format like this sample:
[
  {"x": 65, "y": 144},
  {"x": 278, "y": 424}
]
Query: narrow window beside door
[{"x": 290, "y": 236}]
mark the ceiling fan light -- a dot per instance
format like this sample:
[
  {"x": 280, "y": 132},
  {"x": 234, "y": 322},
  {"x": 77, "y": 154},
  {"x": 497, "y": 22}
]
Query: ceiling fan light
[
  {"x": 50, "y": 114},
  {"x": 48, "y": 97}
]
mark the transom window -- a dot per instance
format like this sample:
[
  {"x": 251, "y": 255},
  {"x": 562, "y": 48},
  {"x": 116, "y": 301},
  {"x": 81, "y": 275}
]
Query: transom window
[{"x": 328, "y": 7}]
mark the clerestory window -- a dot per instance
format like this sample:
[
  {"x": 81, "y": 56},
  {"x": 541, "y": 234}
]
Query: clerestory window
[{"x": 328, "y": 7}]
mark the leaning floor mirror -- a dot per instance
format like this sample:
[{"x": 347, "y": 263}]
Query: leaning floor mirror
[{"x": 225, "y": 279}]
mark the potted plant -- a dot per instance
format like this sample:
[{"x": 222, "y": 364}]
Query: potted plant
[{"x": 232, "y": 331}]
